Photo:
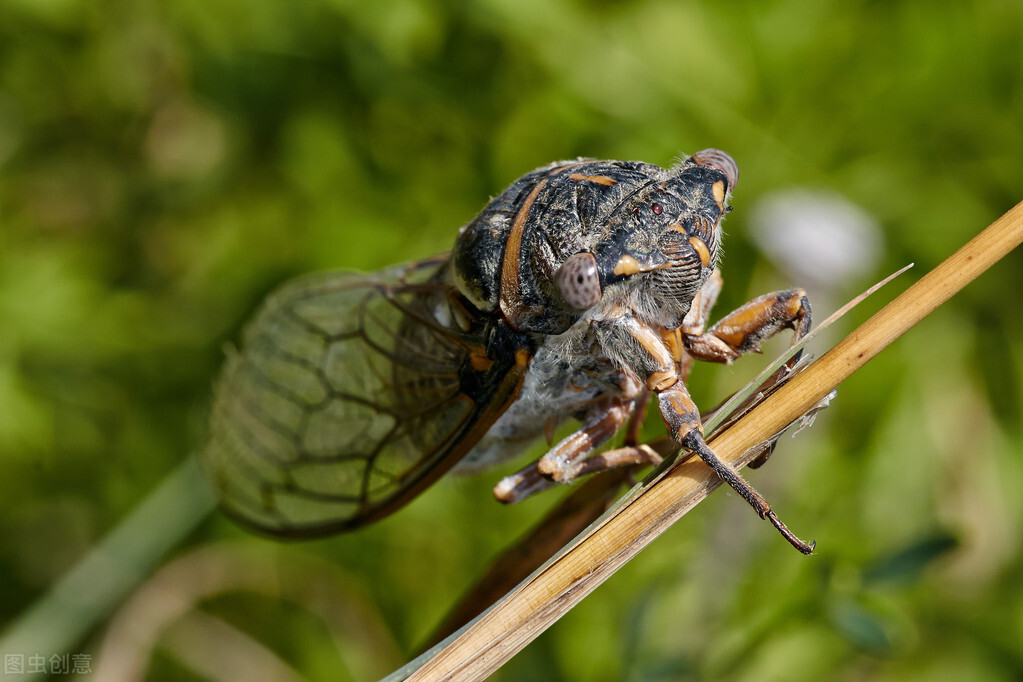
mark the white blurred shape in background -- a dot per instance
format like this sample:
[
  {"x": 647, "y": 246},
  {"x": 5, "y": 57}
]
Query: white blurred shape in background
[{"x": 820, "y": 238}]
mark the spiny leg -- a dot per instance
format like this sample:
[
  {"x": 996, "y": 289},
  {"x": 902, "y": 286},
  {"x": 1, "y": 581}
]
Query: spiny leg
[
  {"x": 561, "y": 463},
  {"x": 603, "y": 421},
  {"x": 694, "y": 441},
  {"x": 744, "y": 329},
  {"x": 626, "y": 456},
  {"x": 683, "y": 422}
]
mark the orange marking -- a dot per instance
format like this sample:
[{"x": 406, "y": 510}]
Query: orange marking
[
  {"x": 701, "y": 250},
  {"x": 562, "y": 169},
  {"x": 510, "y": 299},
  {"x": 678, "y": 227},
  {"x": 599, "y": 179},
  {"x": 661, "y": 381},
  {"x": 736, "y": 326},
  {"x": 653, "y": 346},
  {"x": 649, "y": 341},
  {"x": 479, "y": 360},
  {"x": 627, "y": 265},
  {"x": 718, "y": 188},
  {"x": 687, "y": 428},
  {"x": 795, "y": 303},
  {"x": 672, "y": 339},
  {"x": 681, "y": 405}
]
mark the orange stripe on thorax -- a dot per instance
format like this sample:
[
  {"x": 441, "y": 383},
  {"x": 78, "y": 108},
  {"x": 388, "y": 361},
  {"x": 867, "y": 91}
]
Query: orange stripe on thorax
[
  {"x": 511, "y": 301},
  {"x": 599, "y": 179}
]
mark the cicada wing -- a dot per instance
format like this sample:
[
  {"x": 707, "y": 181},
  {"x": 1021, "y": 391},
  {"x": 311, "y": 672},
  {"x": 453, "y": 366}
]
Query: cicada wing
[{"x": 346, "y": 400}]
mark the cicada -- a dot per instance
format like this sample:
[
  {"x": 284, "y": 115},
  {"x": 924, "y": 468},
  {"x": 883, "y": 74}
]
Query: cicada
[{"x": 579, "y": 293}]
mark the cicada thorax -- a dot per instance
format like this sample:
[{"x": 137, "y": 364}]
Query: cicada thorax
[{"x": 506, "y": 258}]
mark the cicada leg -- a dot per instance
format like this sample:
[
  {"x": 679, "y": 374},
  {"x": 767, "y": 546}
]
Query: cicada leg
[
  {"x": 744, "y": 329},
  {"x": 625, "y": 456},
  {"x": 567, "y": 460},
  {"x": 665, "y": 354},
  {"x": 683, "y": 421},
  {"x": 523, "y": 484}
]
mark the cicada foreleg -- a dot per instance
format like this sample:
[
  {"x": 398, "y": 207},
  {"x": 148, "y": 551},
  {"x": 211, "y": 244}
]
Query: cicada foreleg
[
  {"x": 680, "y": 413},
  {"x": 744, "y": 329},
  {"x": 683, "y": 421}
]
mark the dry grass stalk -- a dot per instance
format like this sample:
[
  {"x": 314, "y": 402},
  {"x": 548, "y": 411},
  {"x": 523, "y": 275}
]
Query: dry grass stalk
[{"x": 539, "y": 601}]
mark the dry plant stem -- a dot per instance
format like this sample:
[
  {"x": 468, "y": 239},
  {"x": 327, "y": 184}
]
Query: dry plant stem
[
  {"x": 577, "y": 511},
  {"x": 539, "y": 601}
]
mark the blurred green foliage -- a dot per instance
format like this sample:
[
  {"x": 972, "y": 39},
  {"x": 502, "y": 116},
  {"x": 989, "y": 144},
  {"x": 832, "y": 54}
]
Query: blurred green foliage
[{"x": 163, "y": 165}]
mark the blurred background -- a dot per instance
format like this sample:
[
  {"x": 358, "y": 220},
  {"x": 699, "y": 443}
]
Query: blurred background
[{"x": 164, "y": 165}]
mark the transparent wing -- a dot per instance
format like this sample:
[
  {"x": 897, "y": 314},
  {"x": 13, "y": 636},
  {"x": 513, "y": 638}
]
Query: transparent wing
[{"x": 344, "y": 401}]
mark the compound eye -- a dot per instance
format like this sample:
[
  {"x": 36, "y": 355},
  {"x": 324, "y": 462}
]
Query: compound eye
[
  {"x": 719, "y": 160},
  {"x": 578, "y": 282}
]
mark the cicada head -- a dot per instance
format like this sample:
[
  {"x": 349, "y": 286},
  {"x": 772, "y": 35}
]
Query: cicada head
[{"x": 661, "y": 245}]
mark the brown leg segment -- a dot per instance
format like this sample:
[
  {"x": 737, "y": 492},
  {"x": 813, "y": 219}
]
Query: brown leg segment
[
  {"x": 629, "y": 455},
  {"x": 528, "y": 481},
  {"x": 523, "y": 484},
  {"x": 560, "y": 463},
  {"x": 636, "y": 419},
  {"x": 683, "y": 422},
  {"x": 603, "y": 422}
]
